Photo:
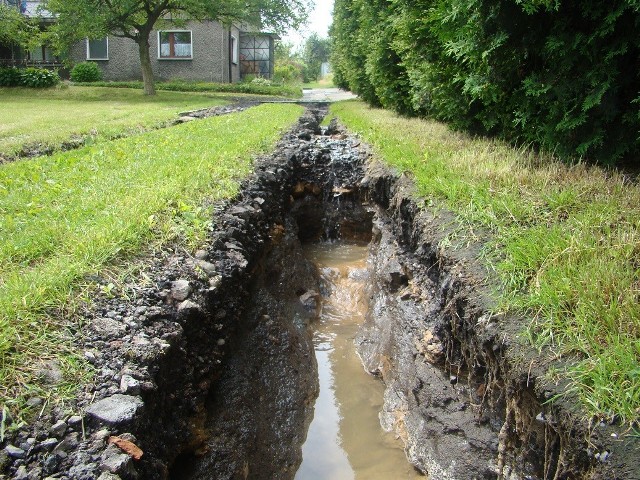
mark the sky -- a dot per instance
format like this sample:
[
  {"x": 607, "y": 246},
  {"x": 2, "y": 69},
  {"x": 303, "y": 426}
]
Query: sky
[{"x": 319, "y": 21}]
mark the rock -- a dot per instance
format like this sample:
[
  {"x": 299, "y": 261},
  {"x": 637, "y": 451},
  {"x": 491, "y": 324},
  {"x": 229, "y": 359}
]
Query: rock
[
  {"x": 21, "y": 473},
  {"x": 108, "y": 476},
  {"x": 69, "y": 443},
  {"x": 58, "y": 429},
  {"x": 129, "y": 385},
  {"x": 180, "y": 290},
  {"x": 51, "y": 463},
  {"x": 206, "y": 267},
  {"x": 185, "y": 119},
  {"x": 116, "y": 409},
  {"x": 187, "y": 306},
  {"x": 15, "y": 452},
  {"x": 311, "y": 301},
  {"x": 74, "y": 421},
  {"x": 201, "y": 255},
  {"x": 34, "y": 402},
  {"x": 108, "y": 327},
  {"x": 117, "y": 463},
  {"x": 48, "y": 444},
  {"x": 51, "y": 373}
]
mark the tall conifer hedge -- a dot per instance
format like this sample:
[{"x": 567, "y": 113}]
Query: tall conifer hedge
[{"x": 563, "y": 75}]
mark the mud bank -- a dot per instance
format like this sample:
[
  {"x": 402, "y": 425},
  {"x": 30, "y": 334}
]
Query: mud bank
[
  {"x": 464, "y": 391},
  {"x": 201, "y": 366}
]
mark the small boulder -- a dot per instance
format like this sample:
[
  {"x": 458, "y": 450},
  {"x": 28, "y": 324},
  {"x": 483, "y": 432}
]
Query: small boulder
[
  {"x": 116, "y": 409},
  {"x": 180, "y": 290}
]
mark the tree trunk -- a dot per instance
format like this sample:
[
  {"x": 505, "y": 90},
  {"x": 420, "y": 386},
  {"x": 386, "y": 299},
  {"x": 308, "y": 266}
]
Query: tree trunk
[{"x": 145, "y": 63}]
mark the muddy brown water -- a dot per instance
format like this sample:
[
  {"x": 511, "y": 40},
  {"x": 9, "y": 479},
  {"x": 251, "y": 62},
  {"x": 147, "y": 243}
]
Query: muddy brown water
[{"x": 345, "y": 440}]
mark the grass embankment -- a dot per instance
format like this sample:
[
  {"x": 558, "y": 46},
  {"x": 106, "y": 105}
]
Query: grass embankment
[
  {"x": 566, "y": 243},
  {"x": 53, "y": 116},
  {"x": 290, "y": 91},
  {"x": 66, "y": 216}
]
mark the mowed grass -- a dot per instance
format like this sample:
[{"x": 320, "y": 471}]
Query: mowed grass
[
  {"x": 53, "y": 116},
  {"x": 566, "y": 243},
  {"x": 67, "y": 216}
]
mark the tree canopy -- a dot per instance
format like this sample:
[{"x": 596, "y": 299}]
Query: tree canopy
[
  {"x": 135, "y": 19},
  {"x": 15, "y": 28}
]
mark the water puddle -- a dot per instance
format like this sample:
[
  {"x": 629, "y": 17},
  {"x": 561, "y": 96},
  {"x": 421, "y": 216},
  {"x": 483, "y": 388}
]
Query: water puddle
[{"x": 345, "y": 440}]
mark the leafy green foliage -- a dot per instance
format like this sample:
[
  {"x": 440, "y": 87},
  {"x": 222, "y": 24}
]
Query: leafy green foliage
[
  {"x": 559, "y": 74},
  {"x": 135, "y": 19},
  {"x": 9, "y": 77},
  {"x": 15, "y": 28},
  {"x": 86, "y": 72},
  {"x": 38, "y": 77},
  {"x": 316, "y": 51}
]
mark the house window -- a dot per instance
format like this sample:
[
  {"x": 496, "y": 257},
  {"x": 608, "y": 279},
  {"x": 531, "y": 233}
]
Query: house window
[
  {"x": 98, "y": 49},
  {"x": 174, "y": 44},
  {"x": 234, "y": 49},
  {"x": 42, "y": 54}
]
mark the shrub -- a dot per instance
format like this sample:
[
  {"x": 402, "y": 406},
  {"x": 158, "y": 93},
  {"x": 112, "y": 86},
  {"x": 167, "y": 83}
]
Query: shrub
[
  {"x": 86, "y": 72},
  {"x": 261, "y": 81},
  {"x": 289, "y": 72},
  {"x": 38, "y": 77},
  {"x": 9, "y": 77}
]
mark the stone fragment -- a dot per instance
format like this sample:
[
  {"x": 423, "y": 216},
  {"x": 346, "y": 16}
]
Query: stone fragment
[
  {"x": 180, "y": 290},
  {"x": 21, "y": 473},
  {"x": 51, "y": 373},
  {"x": 58, "y": 429},
  {"x": 201, "y": 254},
  {"x": 129, "y": 385},
  {"x": 116, "y": 409},
  {"x": 108, "y": 327},
  {"x": 207, "y": 267},
  {"x": 108, "y": 476},
  {"x": 74, "y": 421},
  {"x": 15, "y": 452},
  {"x": 311, "y": 301},
  {"x": 117, "y": 463},
  {"x": 188, "y": 305},
  {"x": 48, "y": 444}
]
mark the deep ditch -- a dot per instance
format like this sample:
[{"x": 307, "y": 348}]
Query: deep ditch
[{"x": 203, "y": 369}]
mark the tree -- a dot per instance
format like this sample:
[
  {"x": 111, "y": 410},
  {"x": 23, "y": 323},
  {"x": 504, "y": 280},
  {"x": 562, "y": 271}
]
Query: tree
[
  {"x": 135, "y": 19},
  {"x": 15, "y": 28},
  {"x": 316, "y": 51}
]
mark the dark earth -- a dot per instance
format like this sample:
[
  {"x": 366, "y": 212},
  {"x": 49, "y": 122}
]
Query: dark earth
[{"x": 200, "y": 366}]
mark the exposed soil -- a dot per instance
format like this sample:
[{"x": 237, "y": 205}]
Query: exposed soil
[{"x": 199, "y": 364}]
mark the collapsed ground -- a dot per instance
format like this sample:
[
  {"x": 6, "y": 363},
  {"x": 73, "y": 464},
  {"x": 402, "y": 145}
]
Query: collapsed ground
[{"x": 474, "y": 352}]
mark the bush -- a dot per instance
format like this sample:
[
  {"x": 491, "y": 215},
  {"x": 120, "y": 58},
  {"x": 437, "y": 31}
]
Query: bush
[
  {"x": 9, "y": 77},
  {"x": 38, "y": 77},
  {"x": 86, "y": 72}
]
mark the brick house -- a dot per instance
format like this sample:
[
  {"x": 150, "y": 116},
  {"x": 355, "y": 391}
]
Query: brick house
[{"x": 198, "y": 51}]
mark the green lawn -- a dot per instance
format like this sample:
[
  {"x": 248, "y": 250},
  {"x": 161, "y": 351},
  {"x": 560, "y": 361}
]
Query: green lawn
[
  {"x": 326, "y": 82},
  {"x": 69, "y": 215},
  {"x": 566, "y": 243},
  {"x": 53, "y": 116}
]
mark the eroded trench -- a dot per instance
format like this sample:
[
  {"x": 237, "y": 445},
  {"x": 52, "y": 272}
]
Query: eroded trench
[{"x": 328, "y": 336}]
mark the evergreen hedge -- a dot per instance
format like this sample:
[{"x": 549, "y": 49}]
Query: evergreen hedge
[{"x": 563, "y": 75}]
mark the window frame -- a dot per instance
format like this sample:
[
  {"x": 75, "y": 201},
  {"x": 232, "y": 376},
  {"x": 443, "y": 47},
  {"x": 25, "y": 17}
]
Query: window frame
[
  {"x": 235, "y": 50},
  {"x": 89, "y": 50},
  {"x": 160, "y": 57}
]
